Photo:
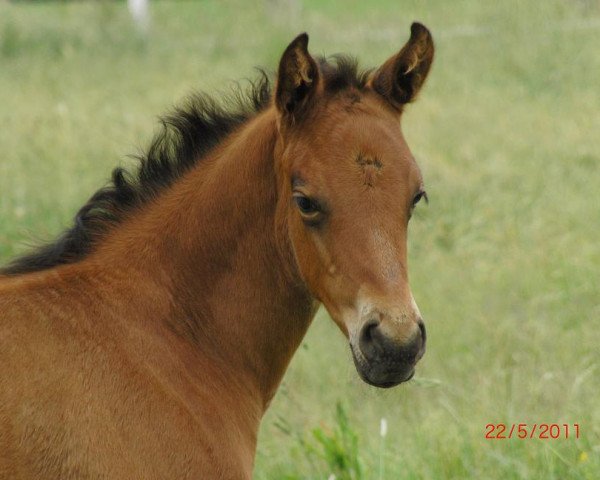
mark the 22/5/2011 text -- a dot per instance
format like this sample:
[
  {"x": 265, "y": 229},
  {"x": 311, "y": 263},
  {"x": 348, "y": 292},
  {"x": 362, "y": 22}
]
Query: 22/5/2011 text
[{"x": 542, "y": 431}]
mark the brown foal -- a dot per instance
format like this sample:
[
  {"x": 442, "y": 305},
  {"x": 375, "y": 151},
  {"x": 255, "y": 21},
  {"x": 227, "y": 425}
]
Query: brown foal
[{"x": 148, "y": 340}]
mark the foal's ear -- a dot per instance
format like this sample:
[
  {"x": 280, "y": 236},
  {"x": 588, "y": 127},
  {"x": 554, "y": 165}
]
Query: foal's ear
[
  {"x": 297, "y": 77},
  {"x": 400, "y": 78}
]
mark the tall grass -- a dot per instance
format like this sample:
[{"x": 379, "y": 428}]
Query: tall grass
[
  {"x": 504, "y": 262},
  {"x": 331, "y": 451}
]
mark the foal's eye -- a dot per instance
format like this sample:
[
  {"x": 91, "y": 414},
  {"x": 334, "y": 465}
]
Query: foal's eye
[
  {"x": 306, "y": 205},
  {"x": 417, "y": 198}
]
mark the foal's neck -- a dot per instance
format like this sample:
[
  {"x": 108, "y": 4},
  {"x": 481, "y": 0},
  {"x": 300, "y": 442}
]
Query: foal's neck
[{"x": 213, "y": 239}]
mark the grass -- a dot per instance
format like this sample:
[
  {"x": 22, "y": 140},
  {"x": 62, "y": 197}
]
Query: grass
[
  {"x": 329, "y": 450},
  {"x": 504, "y": 262}
]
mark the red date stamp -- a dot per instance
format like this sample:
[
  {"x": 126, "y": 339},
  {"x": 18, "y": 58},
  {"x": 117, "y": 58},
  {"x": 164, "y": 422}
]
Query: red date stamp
[{"x": 522, "y": 431}]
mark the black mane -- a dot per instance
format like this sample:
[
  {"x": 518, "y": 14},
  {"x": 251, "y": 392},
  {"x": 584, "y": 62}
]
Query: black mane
[{"x": 186, "y": 136}]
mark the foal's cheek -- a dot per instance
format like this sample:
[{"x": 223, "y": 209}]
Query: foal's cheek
[
  {"x": 313, "y": 262},
  {"x": 305, "y": 255}
]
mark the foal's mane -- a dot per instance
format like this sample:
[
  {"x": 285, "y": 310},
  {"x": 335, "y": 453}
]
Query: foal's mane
[{"x": 186, "y": 136}]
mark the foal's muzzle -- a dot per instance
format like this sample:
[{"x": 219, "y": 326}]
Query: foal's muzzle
[{"x": 385, "y": 360}]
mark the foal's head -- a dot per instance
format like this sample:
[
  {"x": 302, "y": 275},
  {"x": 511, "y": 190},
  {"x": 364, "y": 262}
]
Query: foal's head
[{"x": 348, "y": 187}]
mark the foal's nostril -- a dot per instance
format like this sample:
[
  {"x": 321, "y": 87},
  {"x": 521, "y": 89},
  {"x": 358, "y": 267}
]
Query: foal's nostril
[
  {"x": 423, "y": 340},
  {"x": 414, "y": 350},
  {"x": 370, "y": 339},
  {"x": 423, "y": 331}
]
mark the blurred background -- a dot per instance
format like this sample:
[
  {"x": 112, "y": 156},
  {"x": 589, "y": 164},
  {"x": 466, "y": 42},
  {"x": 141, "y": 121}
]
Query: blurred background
[{"x": 504, "y": 261}]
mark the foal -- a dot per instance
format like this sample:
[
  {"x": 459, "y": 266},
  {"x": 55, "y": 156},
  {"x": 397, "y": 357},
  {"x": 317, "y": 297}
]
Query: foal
[{"x": 149, "y": 339}]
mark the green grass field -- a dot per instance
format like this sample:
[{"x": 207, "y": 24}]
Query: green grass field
[{"x": 504, "y": 261}]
